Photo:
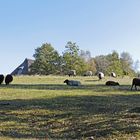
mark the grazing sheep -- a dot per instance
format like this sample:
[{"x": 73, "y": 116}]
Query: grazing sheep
[
  {"x": 112, "y": 83},
  {"x": 88, "y": 73},
  {"x": 72, "y": 73},
  {"x": 72, "y": 82},
  {"x": 136, "y": 82},
  {"x": 1, "y": 78},
  {"x": 100, "y": 75},
  {"x": 113, "y": 74},
  {"x": 8, "y": 79}
]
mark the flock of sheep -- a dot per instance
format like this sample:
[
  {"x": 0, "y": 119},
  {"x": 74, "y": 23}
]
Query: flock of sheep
[
  {"x": 135, "y": 81},
  {"x": 89, "y": 73}
]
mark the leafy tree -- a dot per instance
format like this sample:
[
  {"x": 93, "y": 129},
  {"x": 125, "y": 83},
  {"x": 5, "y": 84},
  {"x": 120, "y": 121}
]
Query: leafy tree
[
  {"x": 47, "y": 60},
  {"x": 70, "y": 55},
  {"x": 127, "y": 62},
  {"x": 137, "y": 65},
  {"x": 92, "y": 65},
  {"x": 86, "y": 55},
  {"x": 115, "y": 64},
  {"x": 72, "y": 59},
  {"x": 89, "y": 61},
  {"x": 102, "y": 63}
]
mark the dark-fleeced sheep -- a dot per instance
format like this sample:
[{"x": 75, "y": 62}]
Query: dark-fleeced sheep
[
  {"x": 72, "y": 73},
  {"x": 135, "y": 82},
  {"x": 1, "y": 78},
  {"x": 72, "y": 82},
  {"x": 8, "y": 79},
  {"x": 112, "y": 83}
]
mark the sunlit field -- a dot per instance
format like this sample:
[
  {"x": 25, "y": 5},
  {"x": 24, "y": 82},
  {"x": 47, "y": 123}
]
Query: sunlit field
[{"x": 43, "y": 107}]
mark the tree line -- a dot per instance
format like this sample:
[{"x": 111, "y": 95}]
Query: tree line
[{"x": 49, "y": 61}]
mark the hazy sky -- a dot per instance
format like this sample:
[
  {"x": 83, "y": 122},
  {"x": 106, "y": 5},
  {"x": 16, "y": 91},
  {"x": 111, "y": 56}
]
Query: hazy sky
[{"x": 99, "y": 26}]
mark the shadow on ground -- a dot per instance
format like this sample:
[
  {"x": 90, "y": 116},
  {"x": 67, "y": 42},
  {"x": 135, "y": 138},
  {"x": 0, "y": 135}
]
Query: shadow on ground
[
  {"x": 96, "y": 88},
  {"x": 74, "y": 117}
]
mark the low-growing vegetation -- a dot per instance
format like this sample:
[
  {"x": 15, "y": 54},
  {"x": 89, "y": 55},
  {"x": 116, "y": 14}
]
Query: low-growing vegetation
[{"x": 43, "y": 107}]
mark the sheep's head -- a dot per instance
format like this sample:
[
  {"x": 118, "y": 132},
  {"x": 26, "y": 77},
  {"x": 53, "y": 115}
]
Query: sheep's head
[
  {"x": 8, "y": 79},
  {"x": 66, "y": 81},
  {"x": 117, "y": 84}
]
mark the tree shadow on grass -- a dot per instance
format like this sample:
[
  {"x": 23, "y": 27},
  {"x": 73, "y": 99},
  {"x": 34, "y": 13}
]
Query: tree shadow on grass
[
  {"x": 95, "y": 88},
  {"x": 74, "y": 117},
  {"x": 94, "y": 80}
]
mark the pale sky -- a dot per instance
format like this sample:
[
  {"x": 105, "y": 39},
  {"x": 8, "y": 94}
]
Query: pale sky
[{"x": 99, "y": 26}]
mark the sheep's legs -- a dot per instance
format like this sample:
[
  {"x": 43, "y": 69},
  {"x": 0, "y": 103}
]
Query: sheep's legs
[
  {"x": 135, "y": 87},
  {"x": 131, "y": 87}
]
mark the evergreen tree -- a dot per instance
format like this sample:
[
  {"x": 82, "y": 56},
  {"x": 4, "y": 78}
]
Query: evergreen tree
[{"x": 47, "y": 60}]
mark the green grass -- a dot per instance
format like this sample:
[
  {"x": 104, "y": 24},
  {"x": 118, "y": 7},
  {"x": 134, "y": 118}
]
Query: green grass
[{"x": 39, "y": 107}]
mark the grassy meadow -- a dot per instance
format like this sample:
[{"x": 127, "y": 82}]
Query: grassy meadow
[{"x": 43, "y": 107}]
